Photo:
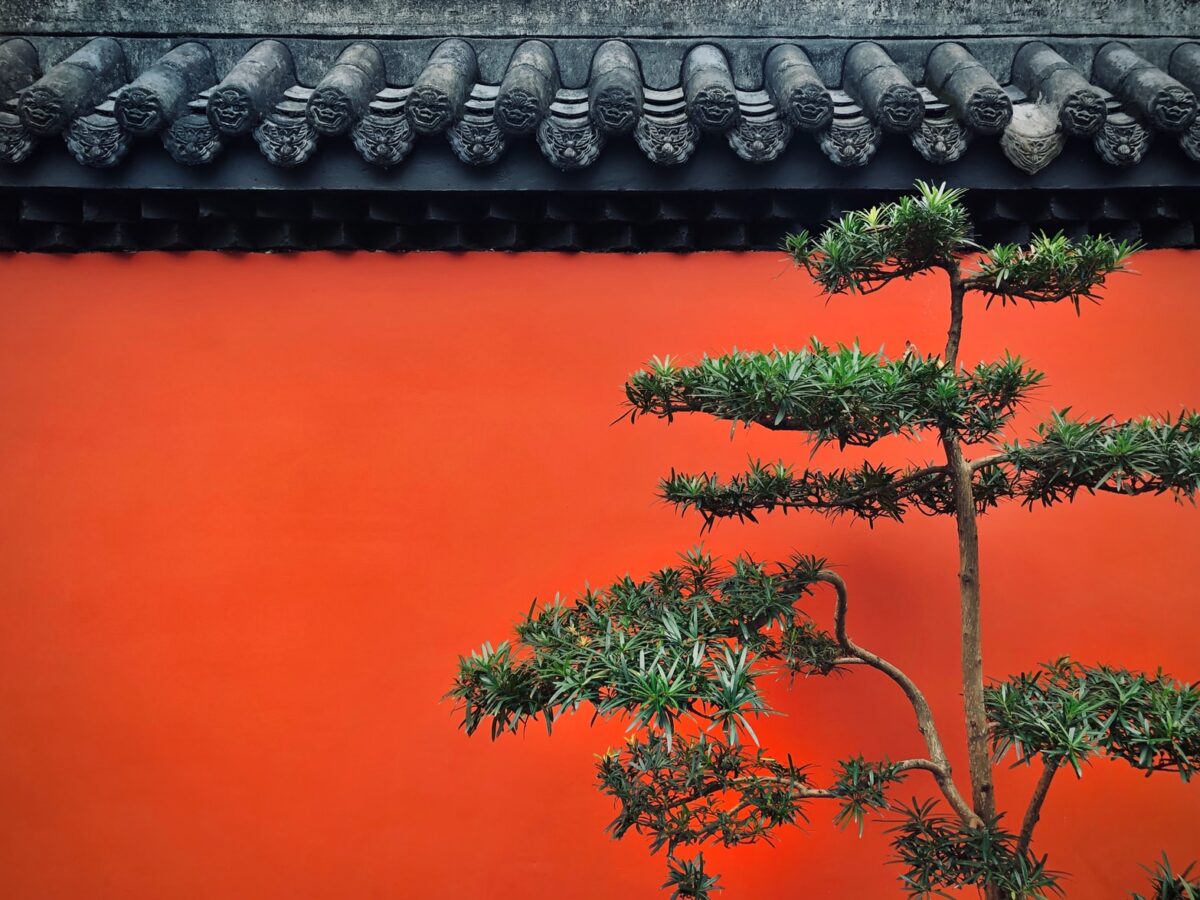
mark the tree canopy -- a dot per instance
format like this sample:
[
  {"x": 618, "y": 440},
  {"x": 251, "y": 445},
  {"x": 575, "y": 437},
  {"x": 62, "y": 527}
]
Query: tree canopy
[{"x": 682, "y": 653}]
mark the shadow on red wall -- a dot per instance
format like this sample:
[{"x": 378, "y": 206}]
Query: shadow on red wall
[{"x": 254, "y": 507}]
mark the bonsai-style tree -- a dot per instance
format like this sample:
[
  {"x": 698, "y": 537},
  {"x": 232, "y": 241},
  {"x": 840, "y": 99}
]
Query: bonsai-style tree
[{"x": 681, "y": 653}]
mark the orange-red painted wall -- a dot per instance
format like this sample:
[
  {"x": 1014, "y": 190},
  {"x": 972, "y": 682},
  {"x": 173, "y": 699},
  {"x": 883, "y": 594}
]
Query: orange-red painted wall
[{"x": 254, "y": 506}]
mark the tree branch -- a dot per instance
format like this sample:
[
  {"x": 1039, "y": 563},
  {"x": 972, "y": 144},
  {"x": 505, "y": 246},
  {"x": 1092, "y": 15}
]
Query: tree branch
[
  {"x": 954, "y": 334},
  {"x": 1034, "y": 812},
  {"x": 938, "y": 764},
  {"x": 981, "y": 462}
]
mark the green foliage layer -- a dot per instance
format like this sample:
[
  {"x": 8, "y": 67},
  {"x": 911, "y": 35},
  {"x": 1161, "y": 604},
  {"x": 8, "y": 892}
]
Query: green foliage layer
[
  {"x": 1066, "y": 456},
  {"x": 837, "y": 394},
  {"x": 1066, "y": 713}
]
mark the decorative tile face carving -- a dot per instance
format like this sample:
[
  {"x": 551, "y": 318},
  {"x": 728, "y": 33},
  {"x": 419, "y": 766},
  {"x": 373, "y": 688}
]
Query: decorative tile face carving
[
  {"x": 285, "y": 142},
  {"x": 989, "y": 110},
  {"x": 429, "y": 108},
  {"x": 231, "y": 109},
  {"x": 97, "y": 141},
  {"x": 382, "y": 140},
  {"x": 476, "y": 143},
  {"x": 941, "y": 140},
  {"x": 1123, "y": 141},
  {"x": 616, "y": 108},
  {"x": 714, "y": 108},
  {"x": 41, "y": 110},
  {"x": 666, "y": 143},
  {"x": 330, "y": 111},
  {"x": 1083, "y": 112},
  {"x": 760, "y": 142},
  {"x": 518, "y": 111},
  {"x": 139, "y": 110},
  {"x": 1033, "y": 139},
  {"x": 900, "y": 108},
  {"x": 16, "y": 143},
  {"x": 192, "y": 140},
  {"x": 1173, "y": 107},
  {"x": 811, "y": 107},
  {"x": 850, "y": 144},
  {"x": 569, "y": 144}
]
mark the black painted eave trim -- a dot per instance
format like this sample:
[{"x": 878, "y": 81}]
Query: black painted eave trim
[
  {"x": 111, "y": 219},
  {"x": 432, "y": 167}
]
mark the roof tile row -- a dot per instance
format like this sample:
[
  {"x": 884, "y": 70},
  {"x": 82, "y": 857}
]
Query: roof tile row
[{"x": 100, "y": 108}]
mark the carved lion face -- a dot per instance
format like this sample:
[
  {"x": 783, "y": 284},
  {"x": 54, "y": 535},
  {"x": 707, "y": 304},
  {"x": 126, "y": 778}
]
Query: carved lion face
[
  {"x": 518, "y": 111},
  {"x": 1173, "y": 107},
  {"x": 901, "y": 108},
  {"x": 811, "y": 106},
  {"x": 989, "y": 110},
  {"x": 616, "y": 108},
  {"x": 1084, "y": 112},
  {"x": 230, "y": 109},
  {"x": 714, "y": 107},
  {"x": 139, "y": 110},
  {"x": 330, "y": 111},
  {"x": 429, "y": 109},
  {"x": 41, "y": 110}
]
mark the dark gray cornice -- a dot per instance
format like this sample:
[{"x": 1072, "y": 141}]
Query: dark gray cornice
[{"x": 618, "y": 18}]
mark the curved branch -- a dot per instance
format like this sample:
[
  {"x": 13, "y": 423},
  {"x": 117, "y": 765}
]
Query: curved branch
[
  {"x": 807, "y": 792},
  {"x": 984, "y": 461},
  {"x": 938, "y": 763},
  {"x": 1034, "y": 812}
]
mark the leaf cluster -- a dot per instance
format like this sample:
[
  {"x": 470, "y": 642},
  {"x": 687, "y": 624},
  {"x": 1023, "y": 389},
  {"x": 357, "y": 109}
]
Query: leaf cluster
[
  {"x": 865, "y": 249},
  {"x": 1050, "y": 269},
  {"x": 869, "y": 492},
  {"x": 839, "y": 394},
  {"x": 689, "y": 880},
  {"x": 1066, "y": 713},
  {"x": 940, "y": 853},
  {"x": 1167, "y": 884},
  {"x": 1136, "y": 456},
  {"x": 697, "y": 789},
  {"x": 862, "y": 785},
  {"x": 689, "y": 642}
]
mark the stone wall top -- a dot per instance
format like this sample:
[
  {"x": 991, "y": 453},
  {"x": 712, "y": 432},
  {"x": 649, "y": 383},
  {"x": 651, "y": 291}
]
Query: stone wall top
[{"x": 616, "y": 18}]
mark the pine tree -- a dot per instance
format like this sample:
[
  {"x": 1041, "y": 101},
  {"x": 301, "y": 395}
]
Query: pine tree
[{"x": 681, "y": 652}]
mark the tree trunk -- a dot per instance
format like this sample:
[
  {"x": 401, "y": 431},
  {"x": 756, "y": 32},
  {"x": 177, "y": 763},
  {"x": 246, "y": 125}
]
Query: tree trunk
[{"x": 978, "y": 756}]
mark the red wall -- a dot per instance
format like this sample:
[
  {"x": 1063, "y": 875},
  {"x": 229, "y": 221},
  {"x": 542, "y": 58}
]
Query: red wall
[{"x": 253, "y": 507}]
